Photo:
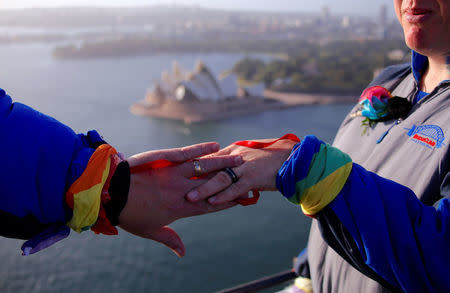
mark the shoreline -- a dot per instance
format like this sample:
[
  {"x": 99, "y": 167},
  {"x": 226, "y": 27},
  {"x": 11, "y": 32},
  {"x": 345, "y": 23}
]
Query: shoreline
[
  {"x": 299, "y": 99},
  {"x": 205, "y": 111}
]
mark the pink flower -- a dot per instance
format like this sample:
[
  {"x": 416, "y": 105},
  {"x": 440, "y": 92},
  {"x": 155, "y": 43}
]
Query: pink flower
[{"x": 374, "y": 101}]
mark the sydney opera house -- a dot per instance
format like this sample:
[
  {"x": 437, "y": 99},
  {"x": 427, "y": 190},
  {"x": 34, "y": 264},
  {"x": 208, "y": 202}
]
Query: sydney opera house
[{"x": 200, "y": 96}]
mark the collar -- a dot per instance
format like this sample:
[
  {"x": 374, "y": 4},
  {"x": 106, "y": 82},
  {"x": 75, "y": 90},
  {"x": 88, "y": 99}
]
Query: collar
[{"x": 418, "y": 64}]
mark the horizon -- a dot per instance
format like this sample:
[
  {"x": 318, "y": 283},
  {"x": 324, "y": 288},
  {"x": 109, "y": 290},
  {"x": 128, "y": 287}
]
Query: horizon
[{"x": 367, "y": 7}]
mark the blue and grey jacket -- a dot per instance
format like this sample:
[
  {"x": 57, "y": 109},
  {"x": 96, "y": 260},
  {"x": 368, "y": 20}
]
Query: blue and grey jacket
[
  {"x": 381, "y": 206},
  {"x": 41, "y": 159}
]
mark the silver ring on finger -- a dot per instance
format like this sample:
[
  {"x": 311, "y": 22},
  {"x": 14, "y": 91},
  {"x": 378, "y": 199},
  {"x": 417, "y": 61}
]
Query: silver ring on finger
[
  {"x": 197, "y": 168},
  {"x": 234, "y": 178}
]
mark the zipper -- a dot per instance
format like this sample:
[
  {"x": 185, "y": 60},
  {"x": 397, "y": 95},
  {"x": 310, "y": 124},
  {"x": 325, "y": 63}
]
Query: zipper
[
  {"x": 411, "y": 98},
  {"x": 397, "y": 122}
]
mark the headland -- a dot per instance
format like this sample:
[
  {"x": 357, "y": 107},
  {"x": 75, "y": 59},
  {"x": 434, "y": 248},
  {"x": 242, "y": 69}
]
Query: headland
[
  {"x": 199, "y": 96},
  {"x": 190, "y": 112}
]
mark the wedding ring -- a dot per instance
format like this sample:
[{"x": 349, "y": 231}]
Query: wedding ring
[
  {"x": 197, "y": 168},
  {"x": 234, "y": 178}
]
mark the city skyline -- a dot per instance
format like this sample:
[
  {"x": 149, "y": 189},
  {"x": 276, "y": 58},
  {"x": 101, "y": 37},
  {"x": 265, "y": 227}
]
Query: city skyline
[{"x": 366, "y": 7}]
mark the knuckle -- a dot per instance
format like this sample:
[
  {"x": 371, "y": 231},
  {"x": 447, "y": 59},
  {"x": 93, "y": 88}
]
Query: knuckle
[
  {"x": 228, "y": 161},
  {"x": 236, "y": 187},
  {"x": 223, "y": 178},
  {"x": 241, "y": 185},
  {"x": 213, "y": 163},
  {"x": 205, "y": 164},
  {"x": 167, "y": 154},
  {"x": 205, "y": 149},
  {"x": 203, "y": 191},
  {"x": 234, "y": 191},
  {"x": 184, "y": 154}
]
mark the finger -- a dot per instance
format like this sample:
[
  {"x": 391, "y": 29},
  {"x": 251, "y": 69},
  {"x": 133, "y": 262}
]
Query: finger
[
  {"x": 216, "y": 184},
  {"x": 234, "y": 191},
  {"x": 174, "y": 155},
  {"x": 191, "y": 152},
  {"x": 170, "y": 238},
  {"x": 222, "y": 152},
  {"x": 210, "y": 164}
]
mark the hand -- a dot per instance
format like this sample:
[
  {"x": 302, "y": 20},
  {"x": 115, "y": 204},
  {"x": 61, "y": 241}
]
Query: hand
[
  {"x": 258, "y": 172},
  {"x": 157, "y": 197}
]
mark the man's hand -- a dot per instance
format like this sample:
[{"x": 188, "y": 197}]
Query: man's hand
[{"x": 157, "y": 197}]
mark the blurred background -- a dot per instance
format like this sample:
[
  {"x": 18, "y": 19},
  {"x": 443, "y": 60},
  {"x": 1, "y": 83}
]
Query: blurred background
[{"x": 86, "y": 62}]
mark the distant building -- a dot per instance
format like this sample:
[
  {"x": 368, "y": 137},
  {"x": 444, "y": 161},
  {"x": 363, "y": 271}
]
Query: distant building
[
  {"x": 383, "y": 13},
  {"x": 345, "y": 23},
  {"x": 200, "y": 96},
  {"x": 325, "y": 14},
  {"x": 383, "y": 22},
  {"x": 199, "y": 85}
]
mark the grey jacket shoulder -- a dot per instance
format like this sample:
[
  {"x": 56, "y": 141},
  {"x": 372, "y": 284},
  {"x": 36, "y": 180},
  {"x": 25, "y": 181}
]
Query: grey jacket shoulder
[
  {"x": 391, "y": 74},
  {"x": 389, "y": 78}
]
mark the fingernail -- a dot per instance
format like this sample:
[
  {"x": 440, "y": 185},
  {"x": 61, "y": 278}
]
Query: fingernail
[
  {"x": 193, "y": 195},
  {"x": 238, "y": 160},
  {"x": 212, "y": 200}
]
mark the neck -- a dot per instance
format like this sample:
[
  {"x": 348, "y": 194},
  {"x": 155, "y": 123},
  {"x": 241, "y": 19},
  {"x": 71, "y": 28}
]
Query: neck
[{"x": 437, "y": 71}]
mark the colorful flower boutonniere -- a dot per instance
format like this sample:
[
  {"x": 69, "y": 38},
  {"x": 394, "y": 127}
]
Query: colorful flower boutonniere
[{"x": 377, "y": 104}]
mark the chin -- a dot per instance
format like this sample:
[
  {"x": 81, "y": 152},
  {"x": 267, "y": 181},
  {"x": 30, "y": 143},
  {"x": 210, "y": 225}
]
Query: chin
[{"x": 417, "y": 39}]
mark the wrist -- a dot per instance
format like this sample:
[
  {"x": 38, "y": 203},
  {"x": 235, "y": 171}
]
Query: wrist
[
  {"x": 282, "y": 170},
  {"x": 118, "y": 192}
]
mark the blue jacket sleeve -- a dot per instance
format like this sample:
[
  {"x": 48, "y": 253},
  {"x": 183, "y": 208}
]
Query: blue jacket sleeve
[
  {"x": 381, "y": 226},
  {"x": 41, "y": 159},
  {"x": 377, "y": 225}
]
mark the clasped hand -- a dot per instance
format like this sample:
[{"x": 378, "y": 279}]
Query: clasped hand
[
  {"x": 258, "y": 172},
  {"x": 157, "y": 196}
]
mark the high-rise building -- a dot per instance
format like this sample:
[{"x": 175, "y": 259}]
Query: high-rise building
[
  {"x": 383, "y": 13},
  {"x": 325, "y": 14},
  {"x": 383, "y": 19}
]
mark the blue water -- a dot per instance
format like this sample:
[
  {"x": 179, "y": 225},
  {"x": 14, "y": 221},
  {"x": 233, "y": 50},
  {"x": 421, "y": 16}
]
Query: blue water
[{"x": 223, "y": 249}]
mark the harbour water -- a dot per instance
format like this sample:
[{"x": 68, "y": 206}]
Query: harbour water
[{"x": 223, "y": 249}]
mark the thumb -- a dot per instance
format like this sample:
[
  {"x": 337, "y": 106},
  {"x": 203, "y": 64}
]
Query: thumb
[{"x": 170, "y": 238}]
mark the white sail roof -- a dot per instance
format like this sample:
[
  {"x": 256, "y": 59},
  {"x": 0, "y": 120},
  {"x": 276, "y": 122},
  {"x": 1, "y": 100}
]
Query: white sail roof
[
  {"x": 197, "y": 90},
  {"x": 202, "y": 84},
  {"x": 207, "y": 85},
  {"x": 229, "y": 85}
]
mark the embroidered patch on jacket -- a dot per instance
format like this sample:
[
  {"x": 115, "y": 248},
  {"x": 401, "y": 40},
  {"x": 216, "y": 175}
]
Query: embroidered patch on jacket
[{"x": 430, "y": 136}]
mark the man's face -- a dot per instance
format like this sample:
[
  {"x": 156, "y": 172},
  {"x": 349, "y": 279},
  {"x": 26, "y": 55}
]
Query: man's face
[{"x": 426, "y": 25}]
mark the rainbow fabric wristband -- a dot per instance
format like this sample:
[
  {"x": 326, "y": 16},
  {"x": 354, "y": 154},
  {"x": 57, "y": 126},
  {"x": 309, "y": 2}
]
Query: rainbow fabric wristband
[
  {"x": 313, "y": 175},
  {"x": 84, "y": 197}
]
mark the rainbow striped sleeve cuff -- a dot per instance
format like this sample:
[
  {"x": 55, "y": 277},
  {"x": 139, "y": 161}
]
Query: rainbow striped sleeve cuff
[
  {"x": 313, "y": 175},
  {"x": 84, "y": 196}
]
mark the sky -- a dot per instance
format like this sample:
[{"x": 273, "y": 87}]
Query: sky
[{"x": 364, "y": 7}]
